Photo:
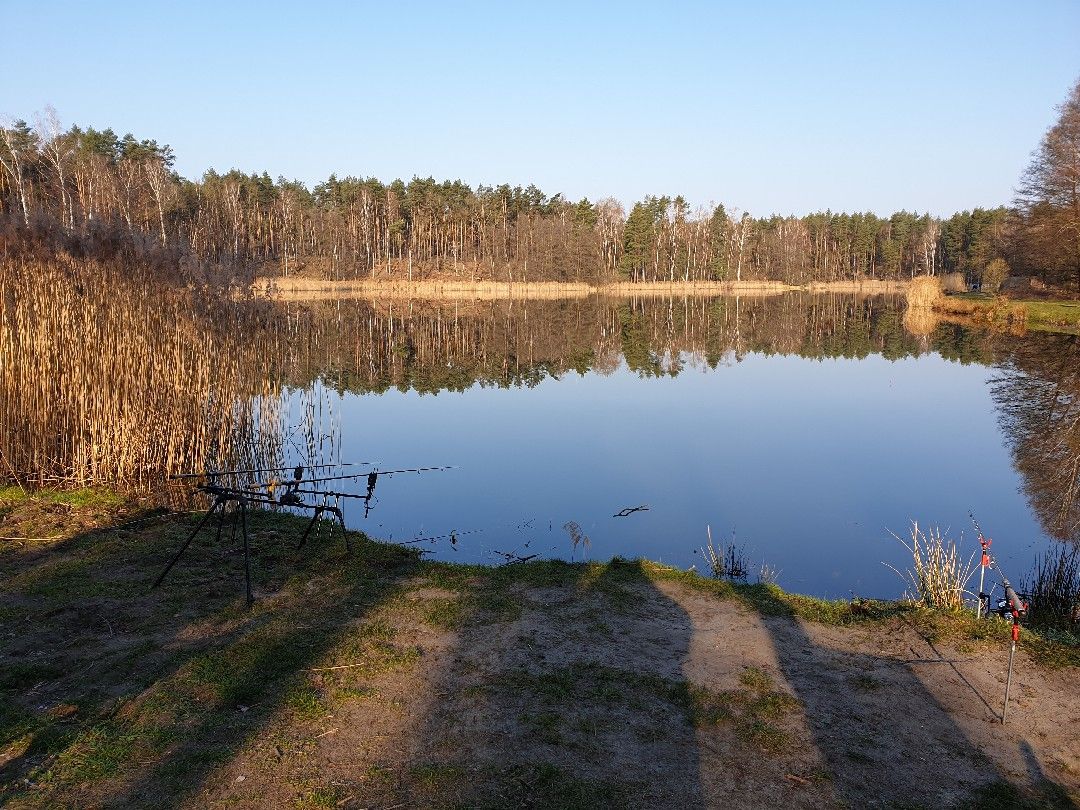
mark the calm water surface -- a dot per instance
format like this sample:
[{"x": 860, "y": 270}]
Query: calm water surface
[{"x": 752, "y": 422}]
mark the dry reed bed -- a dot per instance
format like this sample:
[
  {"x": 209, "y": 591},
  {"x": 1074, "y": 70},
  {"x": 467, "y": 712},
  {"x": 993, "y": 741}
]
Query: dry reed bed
[
  {"x": 928, "y": 305},
  {"x": 924, "y": 292},
  {"x": 309, "y": 289},
  {"x": 109, "y": 376}
]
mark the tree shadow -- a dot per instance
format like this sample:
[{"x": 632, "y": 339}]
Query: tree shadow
[
  {"x": 886, "y": 740},
  {"x": 565, "y": 689},
  {"x": 115, "y": 694}
]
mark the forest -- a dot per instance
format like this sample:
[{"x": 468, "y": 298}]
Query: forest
[{"x": 91, "y": 190}]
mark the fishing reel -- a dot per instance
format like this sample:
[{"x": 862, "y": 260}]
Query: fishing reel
[
  {"x": 1005, "y": 610},
  {"x": 1003, "y": 605}
]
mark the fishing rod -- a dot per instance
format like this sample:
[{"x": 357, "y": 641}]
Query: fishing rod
[
  {"x": 293, "y": 470},
  {"x": 455, "y": 534},
  {"x": 1015, "y": 605},
  {"x": 375, "y": 472},
  {"x": 1012, "y": 599}
]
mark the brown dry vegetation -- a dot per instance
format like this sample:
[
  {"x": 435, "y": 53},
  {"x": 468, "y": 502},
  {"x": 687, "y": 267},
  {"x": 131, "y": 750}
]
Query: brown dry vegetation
[
  {"x": 379, "y": 680},
  {"x": 111, "y": 373},
  {"x": 301, "y": 288},
  {"x": 924, "y": 292}
]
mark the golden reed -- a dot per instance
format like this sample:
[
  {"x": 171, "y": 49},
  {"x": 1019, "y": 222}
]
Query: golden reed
[{"x": 110, "y": 375}]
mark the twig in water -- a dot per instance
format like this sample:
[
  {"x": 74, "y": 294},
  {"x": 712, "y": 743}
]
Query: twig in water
[
  {"x": 629, "y": 510},
  {"x": 512, "y": 557}
]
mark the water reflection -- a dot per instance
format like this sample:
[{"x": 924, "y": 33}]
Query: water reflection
[
  {"x": 809, "y": 424},
  {"x": 1038, "y": 394}
]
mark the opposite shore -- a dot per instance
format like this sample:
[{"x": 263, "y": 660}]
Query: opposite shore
[{"x": 305, "y": 288}]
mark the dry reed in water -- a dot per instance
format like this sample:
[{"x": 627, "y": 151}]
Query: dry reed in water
[
  {"x": 920, "y": 322},
  {"x": 108, "y": 375}
]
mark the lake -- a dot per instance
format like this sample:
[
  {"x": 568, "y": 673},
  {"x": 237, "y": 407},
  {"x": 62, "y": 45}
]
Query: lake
[{"x": 806, "y": 428}]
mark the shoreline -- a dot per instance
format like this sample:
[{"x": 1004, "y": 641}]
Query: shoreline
[
  {"x": 381, "y": 678},
  {"x": 1017, "y": 314},
  {"x": 307, "y": 289}
]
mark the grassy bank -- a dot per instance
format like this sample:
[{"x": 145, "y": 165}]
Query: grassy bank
[
  {"x": 378, "y": 678},
  {"x": 1035, "y": 314}
]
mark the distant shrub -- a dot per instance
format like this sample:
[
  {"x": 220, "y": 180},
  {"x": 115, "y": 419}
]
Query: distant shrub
[
  {"x": 994, "y": 275},
  {"x": 953, "y": 283},
  {"x": 923, "y": 292}
]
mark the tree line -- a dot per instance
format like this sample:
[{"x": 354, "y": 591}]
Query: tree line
[{"x": 89, "y": 184}]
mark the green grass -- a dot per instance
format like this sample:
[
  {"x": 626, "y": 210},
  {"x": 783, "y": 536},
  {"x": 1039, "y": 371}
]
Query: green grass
[
  {"x": 322, "y": 796},
  {"x": 1037, "y": 314},
  {"x": 306, "y": 703},
  {"x": 80, "y": 498},
  {"x": 1056, "y": 316},
  {"x": 752, "y": 710}
]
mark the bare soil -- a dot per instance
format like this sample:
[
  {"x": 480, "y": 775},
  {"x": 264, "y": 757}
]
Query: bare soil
[{"x": 378, "y": 680}]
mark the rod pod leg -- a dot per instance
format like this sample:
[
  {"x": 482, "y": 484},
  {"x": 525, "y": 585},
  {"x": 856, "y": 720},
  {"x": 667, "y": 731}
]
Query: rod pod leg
[
  {"x": 219, "y": 503},
  {"x": 247, "y": 551},
  {"x": 220, "y": 525},
  {"x": 344, "y": 531},
  {"x": 311, "y": 525},
  {"x": 979, "y": 607}
]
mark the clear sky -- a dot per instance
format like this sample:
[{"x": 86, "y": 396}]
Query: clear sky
[{"x": 783, "y": 107}]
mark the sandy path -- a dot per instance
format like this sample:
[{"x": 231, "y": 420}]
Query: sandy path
[{"x": 585, "y": 681}]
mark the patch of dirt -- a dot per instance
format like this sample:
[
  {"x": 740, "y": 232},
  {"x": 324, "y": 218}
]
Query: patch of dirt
[{"x": 585, "y": 687}]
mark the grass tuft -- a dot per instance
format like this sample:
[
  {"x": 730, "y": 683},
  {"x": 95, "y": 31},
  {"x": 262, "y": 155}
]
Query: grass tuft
[{"x": 938, "y": 576}]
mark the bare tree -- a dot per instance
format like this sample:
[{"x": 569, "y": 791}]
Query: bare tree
[
  {"x": 58, "y": 148},
  {"x": 18, "y": 148},
  {"x": 1049, "y": 194}
]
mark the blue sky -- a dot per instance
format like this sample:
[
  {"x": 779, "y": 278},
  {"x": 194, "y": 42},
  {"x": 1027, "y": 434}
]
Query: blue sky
[{"x": 767, "y": 107}]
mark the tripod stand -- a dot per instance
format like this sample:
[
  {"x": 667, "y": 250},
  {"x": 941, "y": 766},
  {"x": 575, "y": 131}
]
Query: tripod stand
[{"x": 223, "y": 496}]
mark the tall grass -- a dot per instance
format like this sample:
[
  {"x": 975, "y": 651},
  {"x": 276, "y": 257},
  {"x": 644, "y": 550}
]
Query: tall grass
[
  {"x": 727, "y": 562},
  {"x": 1054, "y": 588},
  {"x": 953, "y": 283},
  {"x": 110, "y": 374},
  {"x": 938, "y": 576}
]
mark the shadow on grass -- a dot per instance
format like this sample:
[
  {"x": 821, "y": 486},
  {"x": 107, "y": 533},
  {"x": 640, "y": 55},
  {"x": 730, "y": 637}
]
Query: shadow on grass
[{"x": 116, "y": 694}]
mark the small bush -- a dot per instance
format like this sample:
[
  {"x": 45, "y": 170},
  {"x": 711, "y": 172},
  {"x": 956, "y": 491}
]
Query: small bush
[
  {"x": 953, "y": 283},
  {"x": 923, "y": 292},
  {"x": 994, "y": 275}
]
